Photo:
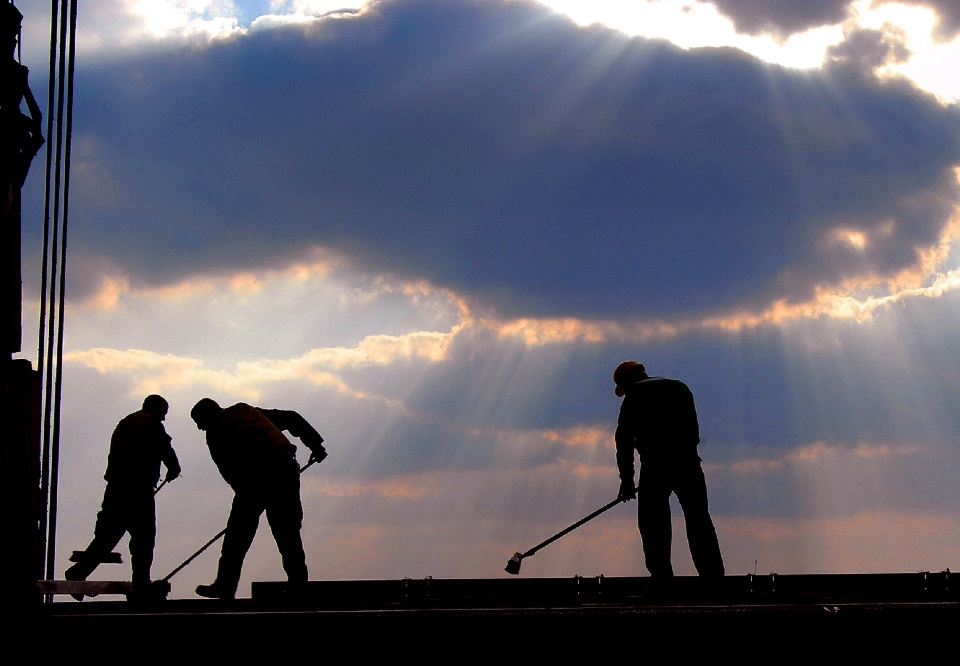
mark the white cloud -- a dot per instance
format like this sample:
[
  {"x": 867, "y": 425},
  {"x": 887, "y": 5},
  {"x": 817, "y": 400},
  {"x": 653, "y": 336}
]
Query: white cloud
[
  {"x": 154, "y": 373},
  {"x": 110, "y": 26},
  {"x": 164, "y": 18},
  {"x": 691, "y": 24},
  {"x": 699, "y": 24}
]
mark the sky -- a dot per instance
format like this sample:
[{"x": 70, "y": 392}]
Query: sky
[{"x": 435, "y": 227}]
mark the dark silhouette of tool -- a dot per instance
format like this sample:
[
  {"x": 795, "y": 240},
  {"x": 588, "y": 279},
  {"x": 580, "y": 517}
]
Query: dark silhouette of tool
[{"x": 513, "y": 565}]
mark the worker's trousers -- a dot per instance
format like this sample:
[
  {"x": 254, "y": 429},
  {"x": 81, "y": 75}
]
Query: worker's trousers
[
  {"x": 123, "y": 510},
  {"x": 280, "y": 499},
  {"x": 685, "y": 478}
]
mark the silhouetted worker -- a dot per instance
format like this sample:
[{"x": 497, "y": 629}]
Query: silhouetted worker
[
  {"x": 20, "y": 139},
  {"x": 260, "y": 464},
  {"x": 659, "y": 420},
  {"x": 20, "y": 136},
  {"x": 138, "y": 445}
]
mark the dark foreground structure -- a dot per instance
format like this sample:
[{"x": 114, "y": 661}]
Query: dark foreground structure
[{"x": 813, "y": 616}]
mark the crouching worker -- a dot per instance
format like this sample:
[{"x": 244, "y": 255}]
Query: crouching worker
[
  {"x": 138, "y": 445},
  {"x": 259, "y": 463}
]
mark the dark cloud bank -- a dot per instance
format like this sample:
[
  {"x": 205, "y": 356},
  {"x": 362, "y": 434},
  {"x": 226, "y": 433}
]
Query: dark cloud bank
[{"x": 500, "y": 150}]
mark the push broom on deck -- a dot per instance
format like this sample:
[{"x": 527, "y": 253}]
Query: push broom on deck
[{"x": 513, "y": 566}]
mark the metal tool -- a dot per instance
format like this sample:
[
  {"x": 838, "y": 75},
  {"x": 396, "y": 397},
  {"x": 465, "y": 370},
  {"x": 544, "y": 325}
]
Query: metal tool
[{"x": 513, "y": 565}]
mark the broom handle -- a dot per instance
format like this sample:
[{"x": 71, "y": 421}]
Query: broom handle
[{"x": 577, "y": 524}]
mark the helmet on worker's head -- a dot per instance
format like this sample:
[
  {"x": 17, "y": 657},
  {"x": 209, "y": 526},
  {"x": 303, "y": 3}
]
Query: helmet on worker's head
[
  {"x": 627, "y": 373},
  {"x": 205, "y": 412},
  {"x": 155, "y": 405}
]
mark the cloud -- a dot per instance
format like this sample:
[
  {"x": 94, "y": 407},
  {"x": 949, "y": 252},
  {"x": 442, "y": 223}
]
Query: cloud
[
  {"x": 783, "y": 18},
  {"x": 869, "y": 541},
  {"x": 821, "y": 479},
  {"x": 948, "y": 15},
  {"x": 154, "y": 370},
  {"x": 869, "y": 50},
  {"x": 786, "y": 18},
  {"x": 109, "y": 29},
  {"x": 848, "y": 367},
  {"x": 420, "y": 524},
  {"x": 537, "y": 168}
]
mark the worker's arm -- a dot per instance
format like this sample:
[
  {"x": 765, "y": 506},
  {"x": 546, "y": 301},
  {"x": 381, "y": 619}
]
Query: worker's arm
[
  {"x": 300, "y": 428},
  {"x": 35, "y": 119},
  {"x": 626, "y": 444},
  {"x": 170, "y": 461},
  {"x": 34, "y": 109}
]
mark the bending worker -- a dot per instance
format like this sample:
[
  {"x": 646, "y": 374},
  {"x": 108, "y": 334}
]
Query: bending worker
[
  {"x": 260, "y": 464},
  {"x": 659, "y": 420},
  {"x": 138, "y": 445}
]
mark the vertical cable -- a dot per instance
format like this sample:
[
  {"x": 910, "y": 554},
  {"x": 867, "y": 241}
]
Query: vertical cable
[
  {"x": 51, "y": 82},
  {"x": 51, "y": 329},
  {"x": 55, "y": 452}
]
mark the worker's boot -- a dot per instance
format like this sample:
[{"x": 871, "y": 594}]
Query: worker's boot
[
  {"x": 78, "y": 571},
  {"x": 215, "y": 591}
]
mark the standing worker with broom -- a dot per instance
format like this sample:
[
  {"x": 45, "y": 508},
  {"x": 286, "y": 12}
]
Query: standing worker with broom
[
  {"x": 138, "y": 445},
  {"x": 658, "y": 419},
  {"x": 259, "y": 463}
]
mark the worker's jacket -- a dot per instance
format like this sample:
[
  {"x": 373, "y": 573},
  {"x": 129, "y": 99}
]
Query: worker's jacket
[
  {"x": 249, "y": 449},
  {"x": 659, "y": 420},
  {"x": 138, "y": 445}
]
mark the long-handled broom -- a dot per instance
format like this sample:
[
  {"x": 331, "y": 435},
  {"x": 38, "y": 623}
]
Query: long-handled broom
[{"x": 513, "y": 565}]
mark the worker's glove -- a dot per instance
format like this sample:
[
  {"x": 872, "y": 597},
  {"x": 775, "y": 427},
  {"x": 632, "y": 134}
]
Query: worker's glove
[
  {"x": 627, "y": 491},
  {"x": 317, "y": 455}
]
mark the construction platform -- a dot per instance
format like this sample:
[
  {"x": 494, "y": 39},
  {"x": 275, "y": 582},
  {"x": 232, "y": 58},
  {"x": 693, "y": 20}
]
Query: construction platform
[{"x": 809, "y": 615}]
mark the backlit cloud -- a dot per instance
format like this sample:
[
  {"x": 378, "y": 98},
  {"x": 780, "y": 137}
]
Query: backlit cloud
[
  {"x": 154, "y": 371},
  {"x": 675, "y": 182},
  {"x": 785, "y": 18}
]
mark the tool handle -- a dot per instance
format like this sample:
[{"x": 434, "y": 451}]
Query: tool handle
[
  {"x": 212, "y": 541},
  {"x": 157, "y": 489},
  {"x": 577, "y": 524},
  {"x": 195, "y": 555}
]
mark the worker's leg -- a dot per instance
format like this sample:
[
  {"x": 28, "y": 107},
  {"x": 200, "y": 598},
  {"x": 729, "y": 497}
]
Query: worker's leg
[
  {"x": 143, "y": 536},
  {"x": 691, "y": 489},
  {"x": 110, "y": 528},
  {"x": 241, "y": 528},
  {"x": 285, "y": 515},
  {"x": 653, "y": 518}
]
